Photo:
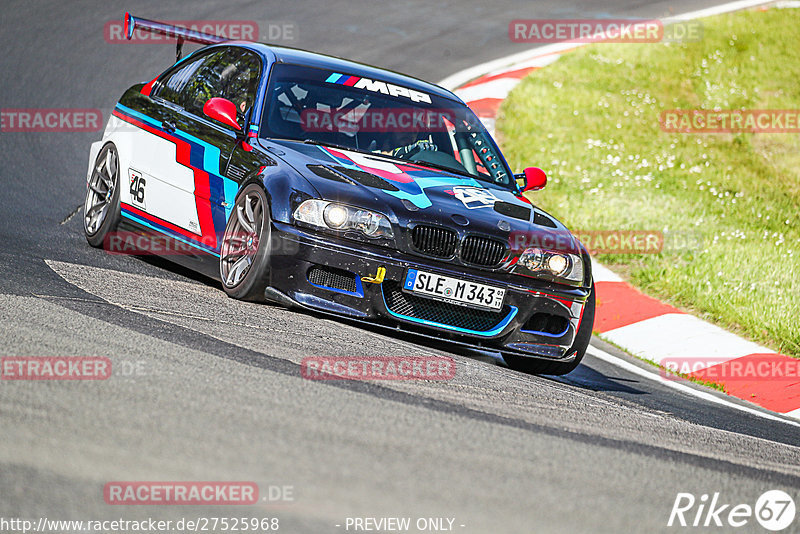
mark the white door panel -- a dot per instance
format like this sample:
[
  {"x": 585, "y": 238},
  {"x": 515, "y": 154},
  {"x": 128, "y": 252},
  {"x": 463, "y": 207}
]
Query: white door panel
[
  {"x": 149, "y": 156},
  {"x": 157, "y": 157},
  {"x": 161, "y": 200}
]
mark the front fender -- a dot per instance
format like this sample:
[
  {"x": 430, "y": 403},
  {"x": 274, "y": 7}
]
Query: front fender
[{"x": 285, "y": 189}]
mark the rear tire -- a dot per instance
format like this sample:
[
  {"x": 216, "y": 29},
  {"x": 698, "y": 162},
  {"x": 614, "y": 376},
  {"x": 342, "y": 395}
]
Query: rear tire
[
  {"x": 101, "y": 210},
  {"x": 245, "y": 253},
  {"x": 581, "y": 343}
]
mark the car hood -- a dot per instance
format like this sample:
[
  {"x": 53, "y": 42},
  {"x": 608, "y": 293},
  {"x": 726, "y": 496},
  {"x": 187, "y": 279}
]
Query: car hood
[{"x": 412, "y": 193}]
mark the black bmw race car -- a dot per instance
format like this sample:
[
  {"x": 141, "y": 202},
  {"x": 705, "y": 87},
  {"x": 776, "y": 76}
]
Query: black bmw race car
[{"x": 333, "y": 186}]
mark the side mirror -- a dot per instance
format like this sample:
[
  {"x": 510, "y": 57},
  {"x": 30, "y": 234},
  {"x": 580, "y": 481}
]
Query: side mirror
[
  {"x": 222, "y": 110},
  {"x": 533, "y": 179}
]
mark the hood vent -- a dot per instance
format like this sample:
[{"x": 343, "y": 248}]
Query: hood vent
[
  {"x": 508, "y": 209},
  {"x": 542, "y": 220},
  {"x": 324, "y": 172},
  {"x": 365, "y": 178}
]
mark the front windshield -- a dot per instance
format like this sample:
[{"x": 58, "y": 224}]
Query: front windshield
[{"x": 337, "y": 109}]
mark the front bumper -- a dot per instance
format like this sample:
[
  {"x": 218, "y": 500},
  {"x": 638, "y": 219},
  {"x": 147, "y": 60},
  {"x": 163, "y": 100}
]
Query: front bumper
[{"x": 539, "y": 319}]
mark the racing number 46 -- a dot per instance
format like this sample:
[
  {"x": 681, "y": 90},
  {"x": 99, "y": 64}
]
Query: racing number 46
[{"x": 137, "y": 188}]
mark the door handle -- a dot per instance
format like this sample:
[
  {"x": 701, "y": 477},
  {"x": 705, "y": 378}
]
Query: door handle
[{"x": 168, "y": 126}]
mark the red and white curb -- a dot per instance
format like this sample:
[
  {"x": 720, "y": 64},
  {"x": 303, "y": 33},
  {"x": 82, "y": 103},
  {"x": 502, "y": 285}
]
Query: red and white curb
[{"x": 640, "y": 324}]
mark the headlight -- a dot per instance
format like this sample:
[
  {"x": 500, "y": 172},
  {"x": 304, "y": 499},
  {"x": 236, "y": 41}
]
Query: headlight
[
  {"x": 340, "y": 217},
  {"x": 335, "y": 216},
  {"x": 558, "y": 266}
]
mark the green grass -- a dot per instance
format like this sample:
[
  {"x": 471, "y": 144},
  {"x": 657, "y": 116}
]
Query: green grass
[{"x": 590, "y": 121}]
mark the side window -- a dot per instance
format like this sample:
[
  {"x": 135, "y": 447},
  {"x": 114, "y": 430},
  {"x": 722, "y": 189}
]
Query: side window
[
  {"x": 232, "y": 73},
  {"x": 171, "y": 88},
  {"x": 240, "y": 86}
]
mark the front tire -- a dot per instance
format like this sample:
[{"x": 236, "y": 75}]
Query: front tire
[
  {"x": 101, "y": 210},
  {"x": 581, "y": 343},
  {"x": 245, "y": 253}
]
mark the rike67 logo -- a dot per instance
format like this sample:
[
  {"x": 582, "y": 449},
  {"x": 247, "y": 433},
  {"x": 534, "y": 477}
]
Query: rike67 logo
[{"x": 774, "y": 510}]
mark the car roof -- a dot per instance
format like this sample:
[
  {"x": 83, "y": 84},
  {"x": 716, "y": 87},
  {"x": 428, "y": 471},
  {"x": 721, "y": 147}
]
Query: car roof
[{"x": 297, "y": 56}]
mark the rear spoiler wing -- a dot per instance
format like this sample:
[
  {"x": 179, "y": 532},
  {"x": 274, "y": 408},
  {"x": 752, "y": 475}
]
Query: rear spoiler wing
[{"x": 162, "y": 28}]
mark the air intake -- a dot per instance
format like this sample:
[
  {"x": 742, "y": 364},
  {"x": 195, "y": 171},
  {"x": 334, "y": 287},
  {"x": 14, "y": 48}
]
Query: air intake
[
  {"x": 433, "y": 311},
  {"x": 336, "y": 279}
]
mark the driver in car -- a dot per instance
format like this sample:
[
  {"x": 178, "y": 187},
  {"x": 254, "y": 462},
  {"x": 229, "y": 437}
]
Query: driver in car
[{"x": 407, "y": 144}]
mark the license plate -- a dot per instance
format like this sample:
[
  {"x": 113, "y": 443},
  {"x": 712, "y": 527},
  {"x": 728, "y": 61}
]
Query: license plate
[{"x": 454, "y": 290}]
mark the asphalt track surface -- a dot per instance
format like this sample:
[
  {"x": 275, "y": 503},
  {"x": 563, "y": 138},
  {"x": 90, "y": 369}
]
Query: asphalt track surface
[{"x": 210, "y": 388}]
